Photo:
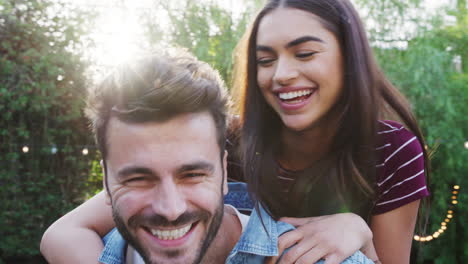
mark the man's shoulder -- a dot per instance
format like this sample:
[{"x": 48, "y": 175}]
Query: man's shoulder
[
  {"x": 260, "y": 240},
  {"x": 114, "y": 248},
  {"x": 239, "y": 197}
]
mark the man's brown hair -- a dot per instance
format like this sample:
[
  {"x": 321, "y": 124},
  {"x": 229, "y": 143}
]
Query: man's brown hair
[{"x": 157, "y": 88}]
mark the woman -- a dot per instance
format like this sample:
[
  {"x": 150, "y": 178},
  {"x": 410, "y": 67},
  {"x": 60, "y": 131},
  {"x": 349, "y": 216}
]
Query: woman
[
  {"x": 312, "y": 142},
  {"x": 312, "y": 103}
]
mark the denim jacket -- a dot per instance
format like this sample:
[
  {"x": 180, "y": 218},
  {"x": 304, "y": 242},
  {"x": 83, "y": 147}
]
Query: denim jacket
[
  {"x": 255, "y": 244},
  {"x": 258, "y": 242}
]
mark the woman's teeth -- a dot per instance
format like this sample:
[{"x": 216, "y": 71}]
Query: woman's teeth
[
  {"x": 171, "y": 234},
  {"x": 294, "y": 95}
]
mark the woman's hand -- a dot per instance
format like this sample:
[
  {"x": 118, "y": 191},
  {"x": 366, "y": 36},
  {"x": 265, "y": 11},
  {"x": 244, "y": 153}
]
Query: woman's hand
[{"x": 332, "y": 237}]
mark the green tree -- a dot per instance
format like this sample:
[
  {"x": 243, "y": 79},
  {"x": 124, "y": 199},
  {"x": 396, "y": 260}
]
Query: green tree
[
  {"x": 428, "y": 64},
  {"x": 42, "y": 85},
  {"x": 206, "y": 29}
]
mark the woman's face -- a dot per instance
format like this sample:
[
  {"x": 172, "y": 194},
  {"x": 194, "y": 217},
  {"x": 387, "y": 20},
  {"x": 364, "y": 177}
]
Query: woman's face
[{"x": 300, "y": 67}]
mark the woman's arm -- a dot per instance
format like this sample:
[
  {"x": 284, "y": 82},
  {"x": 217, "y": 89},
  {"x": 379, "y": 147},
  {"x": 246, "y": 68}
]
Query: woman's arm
[
  {"x": 401, "y": 184},
  {"x": 76, "y": 236},
  {"x": 393, "y": 233}
]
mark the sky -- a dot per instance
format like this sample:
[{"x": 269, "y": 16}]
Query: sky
[{"x": 118, "y": 29}]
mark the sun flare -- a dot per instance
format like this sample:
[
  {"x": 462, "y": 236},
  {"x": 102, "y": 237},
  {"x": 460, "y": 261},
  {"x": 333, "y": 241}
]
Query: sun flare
[{"x": 117, "y": 37}]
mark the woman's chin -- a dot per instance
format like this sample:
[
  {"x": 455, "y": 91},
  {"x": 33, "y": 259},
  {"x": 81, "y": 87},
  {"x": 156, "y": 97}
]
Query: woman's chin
[{"x": 295, "y": 125}]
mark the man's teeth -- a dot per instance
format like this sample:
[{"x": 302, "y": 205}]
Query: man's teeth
[
  {"x": 291, "y": 95},
  {"x": 171, "y": 234}
]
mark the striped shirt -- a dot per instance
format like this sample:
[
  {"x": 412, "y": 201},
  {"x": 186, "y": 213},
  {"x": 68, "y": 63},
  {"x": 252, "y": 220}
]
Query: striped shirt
[{"x": 400, "y": 168}]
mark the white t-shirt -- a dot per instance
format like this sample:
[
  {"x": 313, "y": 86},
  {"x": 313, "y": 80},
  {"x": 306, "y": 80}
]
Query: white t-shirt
[{"x": 134, "y": 258}]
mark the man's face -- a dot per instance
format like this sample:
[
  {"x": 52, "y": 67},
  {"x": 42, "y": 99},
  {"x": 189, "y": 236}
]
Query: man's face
[{"x": 165, "y": 182}]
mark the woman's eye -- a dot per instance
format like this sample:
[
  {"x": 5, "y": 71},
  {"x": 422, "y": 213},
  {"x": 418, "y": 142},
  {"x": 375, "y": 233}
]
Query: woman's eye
[
  {"x": 303, "y": 55},
  {"x": 265, "y": 61}
]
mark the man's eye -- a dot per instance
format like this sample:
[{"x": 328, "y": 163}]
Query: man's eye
[
  {"x": 303, "y": 55},
  {"x": 135, "y": 179},
  {"x": 194, "y": 174}
]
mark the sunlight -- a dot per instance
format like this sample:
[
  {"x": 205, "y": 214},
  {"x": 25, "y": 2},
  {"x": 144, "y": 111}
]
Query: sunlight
[
  {"x": 119, "y": 34},
  {"x": 117, "y": 37}
]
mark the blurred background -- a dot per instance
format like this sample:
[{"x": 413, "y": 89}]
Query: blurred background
[{"x": 52, "y": 50}]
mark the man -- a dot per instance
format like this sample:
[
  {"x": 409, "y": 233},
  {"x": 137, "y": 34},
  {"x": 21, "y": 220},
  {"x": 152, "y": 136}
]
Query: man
[
  {"x": 164, "y": 161},
  {"x": 160, "y": 127}
]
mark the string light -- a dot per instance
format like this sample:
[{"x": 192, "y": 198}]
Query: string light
[
  {"x": 85, "y": 151},
  {"x": 53, "y": 150},
  {"x": 25, "y": 149},
  {"x": 443, "y": 224}
]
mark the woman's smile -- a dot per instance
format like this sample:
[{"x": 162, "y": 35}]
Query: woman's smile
[{"x": 299, "y": 67}]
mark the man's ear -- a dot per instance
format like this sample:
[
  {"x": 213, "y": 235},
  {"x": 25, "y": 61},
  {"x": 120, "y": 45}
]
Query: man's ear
[
  {"x": 104, "y": 178},
  {"x": 225, "y": 185}
]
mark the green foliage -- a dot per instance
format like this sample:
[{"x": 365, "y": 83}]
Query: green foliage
[
  {"x": 42, "y": 86},
  {"x": 438, "y": 89},
  {"x": 389, "y": 20},
  {"x": 94, "y": 182},
  {"x": 206, "y": 29},
  {"x": 439, "y": 97}
]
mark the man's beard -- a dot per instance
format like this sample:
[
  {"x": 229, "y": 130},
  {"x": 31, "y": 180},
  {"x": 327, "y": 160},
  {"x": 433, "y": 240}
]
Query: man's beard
[{"x": 158, "y": 220}]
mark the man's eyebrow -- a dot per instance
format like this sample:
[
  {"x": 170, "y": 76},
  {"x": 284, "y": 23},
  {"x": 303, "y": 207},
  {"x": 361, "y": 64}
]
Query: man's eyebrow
[
  {"x": 199, "y": 165},
  {"x": 302, "y": 40},
  {"x": 130, "y": 170}
]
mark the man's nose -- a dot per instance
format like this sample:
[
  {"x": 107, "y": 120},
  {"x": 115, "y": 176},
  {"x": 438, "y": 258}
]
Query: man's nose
[
  {"x": 286, "y": 72},
  {"x": 169, "y": 201}
]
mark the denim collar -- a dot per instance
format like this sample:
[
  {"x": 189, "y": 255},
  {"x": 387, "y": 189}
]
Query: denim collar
[
  {"x": 114, "y": 249},
  {"x": 258, "y": 242},
  {"x": 258, "y": 239}
]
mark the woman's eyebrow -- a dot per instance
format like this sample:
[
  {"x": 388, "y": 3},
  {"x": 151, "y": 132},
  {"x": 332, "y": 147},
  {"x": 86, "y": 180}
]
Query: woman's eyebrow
[
  {"x": 302, "y": 40},
  {"x": 264, "y": 48},
  {"x": 292, "y": 43}
]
